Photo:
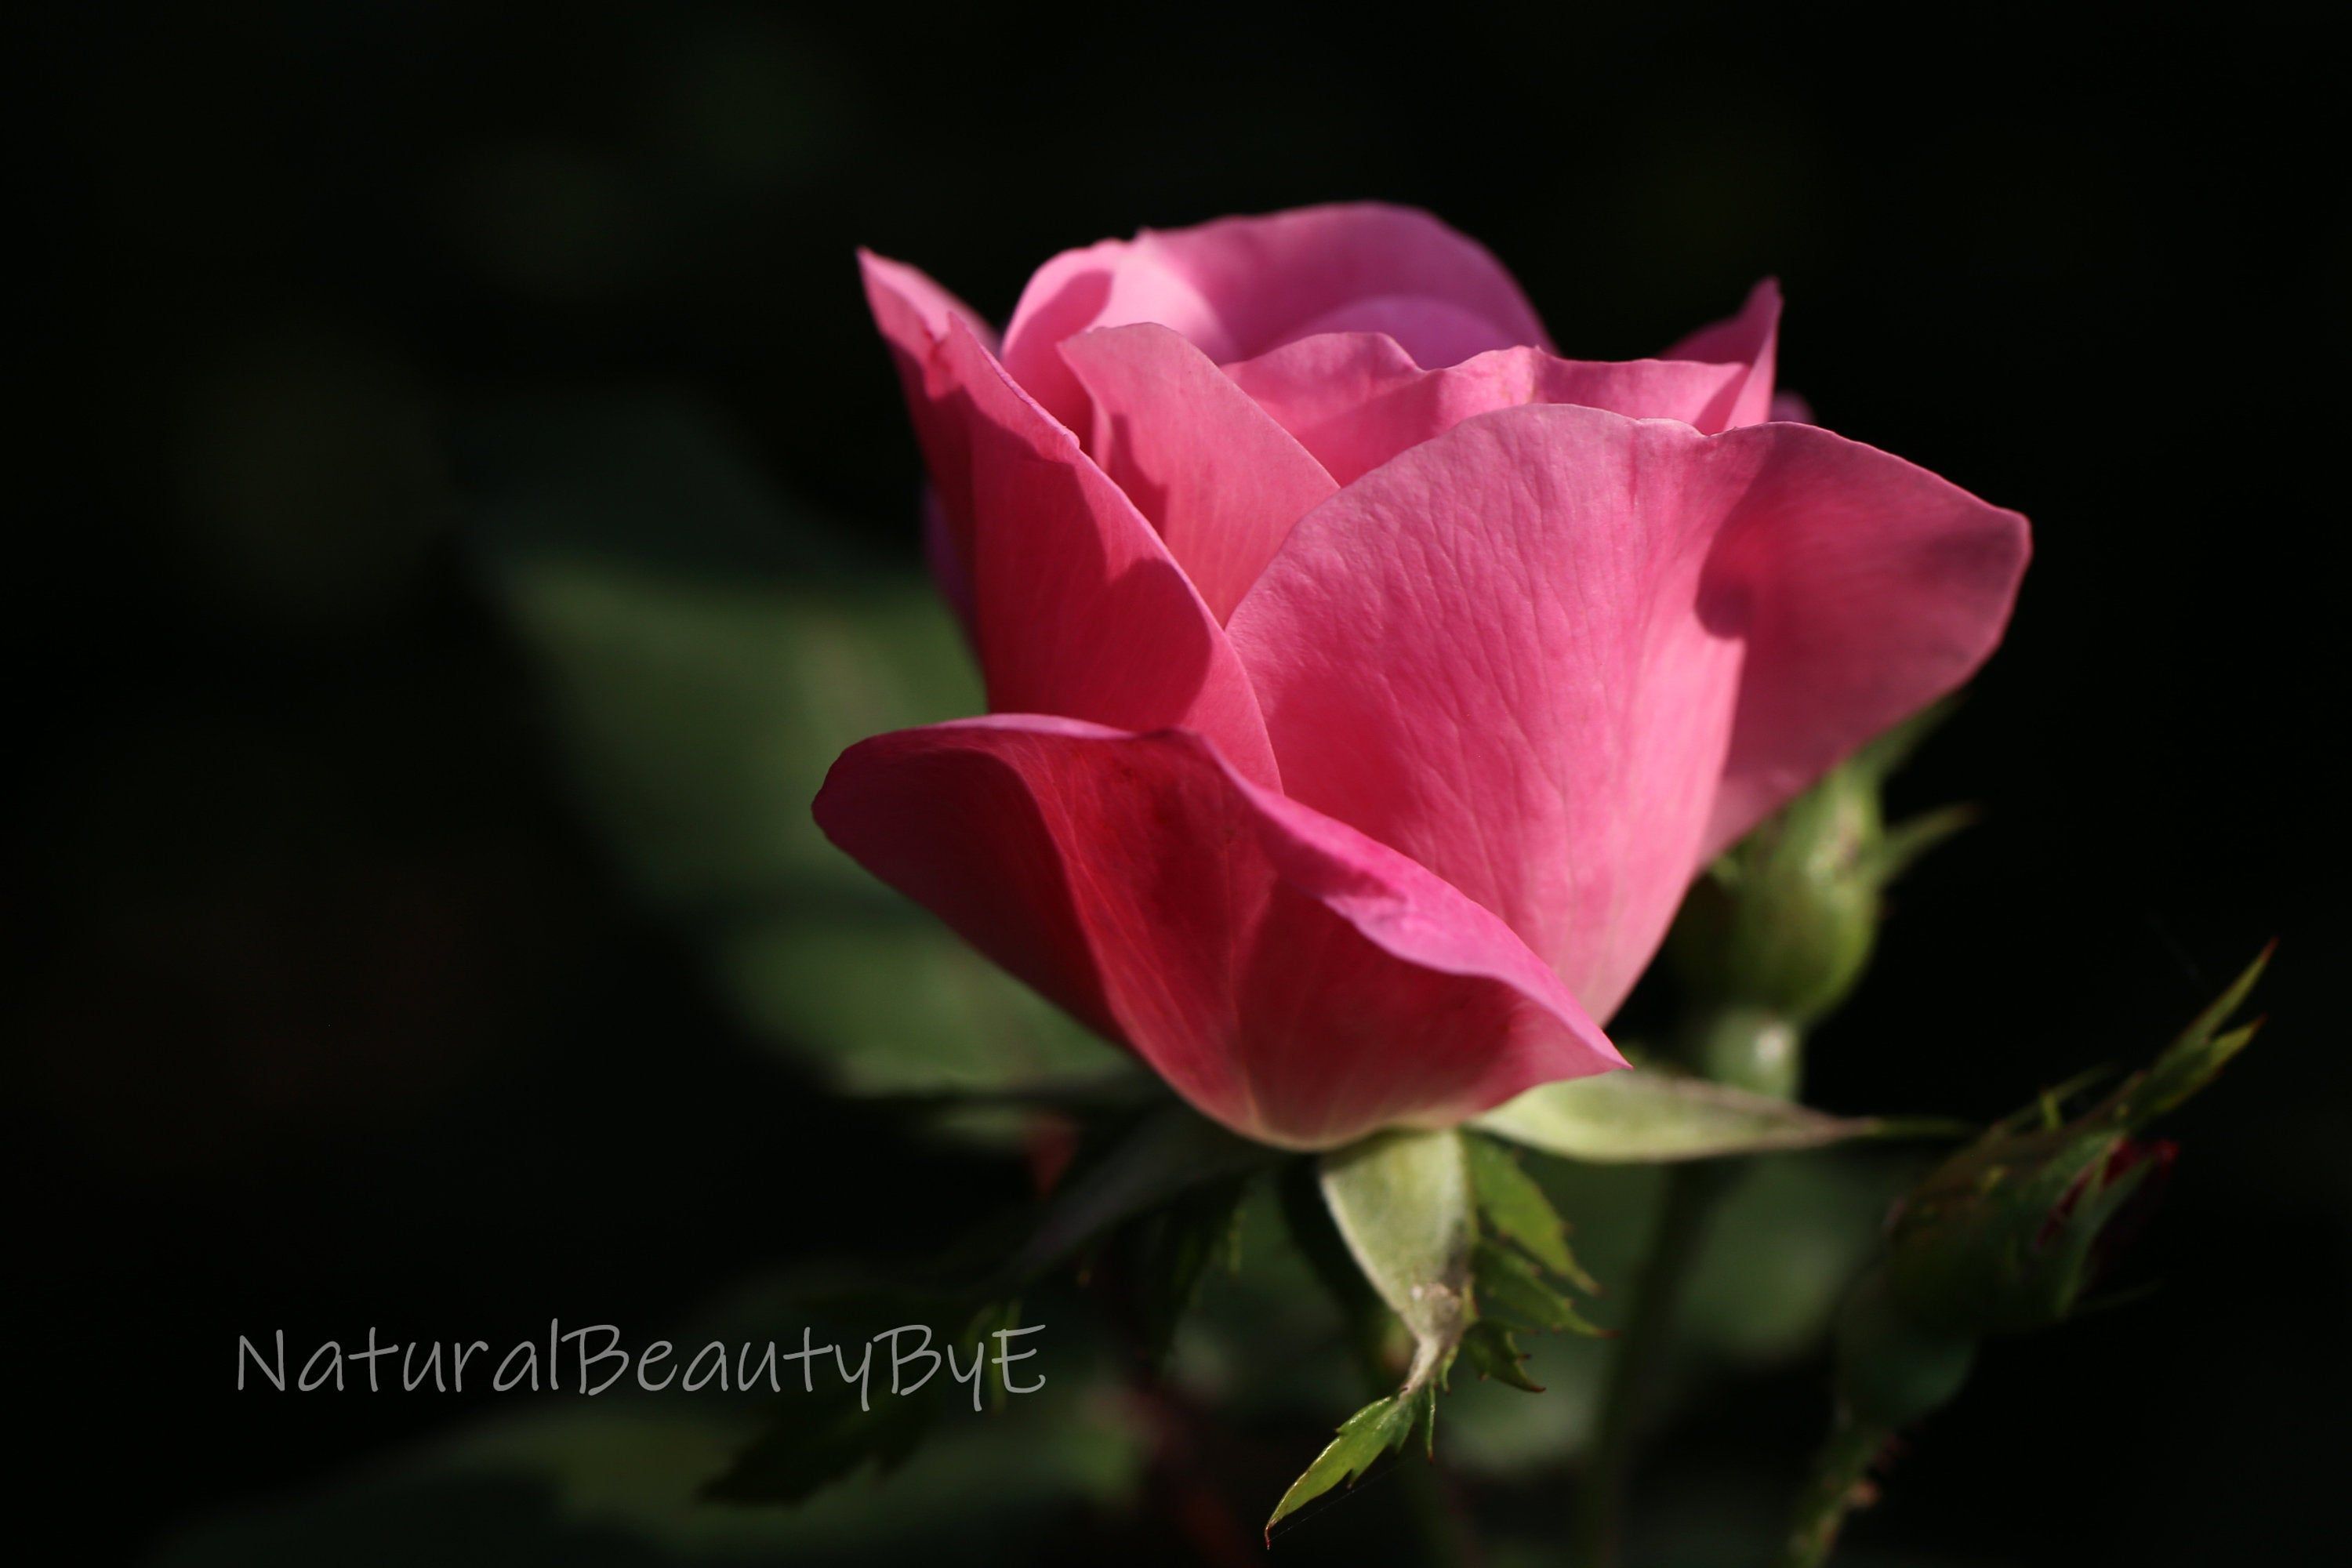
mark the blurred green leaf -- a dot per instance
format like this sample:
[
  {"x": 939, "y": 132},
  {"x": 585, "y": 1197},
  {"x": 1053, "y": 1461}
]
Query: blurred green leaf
[
  {"x": 705, "y": 659},
  {"x": 613, "y": 1483},
  {"x": 825, "y": 1439},
  {"x": 1169, "y": 1251},
  {"x": 1172, "y": 1153}
]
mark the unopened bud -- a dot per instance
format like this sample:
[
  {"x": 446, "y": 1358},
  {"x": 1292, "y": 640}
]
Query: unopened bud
[
  {"x": 1785, "y": 920},
  {"x": 2011, "y": 1232}
]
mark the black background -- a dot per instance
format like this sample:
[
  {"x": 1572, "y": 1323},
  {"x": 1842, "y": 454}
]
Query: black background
[{"x": 327, "y": 1010}]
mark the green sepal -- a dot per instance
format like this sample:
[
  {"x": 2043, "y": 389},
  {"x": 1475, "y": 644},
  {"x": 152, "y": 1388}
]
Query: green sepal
[
  {"x": 1649, "y": 1114},
  {"x": 1909, "y": 840},
  {"x": 1508, "y": 1290},
  {"x": 1401, "y": 1203},
  {"x": 2200, "y": 1051},
  {"x": 1514, "y": 1208},
  {"x": 1491, "y": 1352}
]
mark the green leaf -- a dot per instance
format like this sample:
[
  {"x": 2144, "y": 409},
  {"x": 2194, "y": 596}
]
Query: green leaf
[
  {"x": 1514, "y": 1207},
  {"x": 1401, "y": 1203},
  {"x": 1169, "y": 1251},
  {"x": 1509, "y": 1292},
  {"x": 1644, "y": 1113},
  {"x": 1379, "y": 1428}
]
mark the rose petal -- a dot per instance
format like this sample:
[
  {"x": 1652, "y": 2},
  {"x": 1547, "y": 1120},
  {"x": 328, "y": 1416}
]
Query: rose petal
[
  {"x": 1286, "y": 975},
  {"x": 913, "y": 313},
  {"x": 1751, "y": 338},
  {"x": 1558, "y": 657},
  {"x": 1076, "y": 607},
  {"x": 1241, "y": 286},
  {"x": 1221, "y": 481},
  {"x": 1355, "y": 400}
]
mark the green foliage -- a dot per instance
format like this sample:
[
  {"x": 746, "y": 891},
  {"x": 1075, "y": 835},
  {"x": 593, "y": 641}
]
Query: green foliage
[
  {"x": 1448, "y": 1232},
  {"x": 1162, "y": 1196},
  {"x": 615, "y": 1483},
  {"x": 623, "y": 1479}
]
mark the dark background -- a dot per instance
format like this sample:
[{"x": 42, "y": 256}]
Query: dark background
[{"x": 327, "y": 1009}]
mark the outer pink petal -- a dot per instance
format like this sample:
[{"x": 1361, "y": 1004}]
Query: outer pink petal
[
  {"x": 913, "y": 313},
  {"x": 1076, "y": 607},
  {"x": 1751, "y": 339},
  {"x": 1866, "y": 588},
  {"x": 1241, "y": 286},
  {"x": 1221, "y": 481},
  {"x": 1357, "y": 399},
  {"x": 1289, "y": 976},
  {"x": 1558, "y": 656}
]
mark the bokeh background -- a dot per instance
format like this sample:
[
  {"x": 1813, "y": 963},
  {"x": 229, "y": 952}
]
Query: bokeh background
[{"x": 469, "y": 507}]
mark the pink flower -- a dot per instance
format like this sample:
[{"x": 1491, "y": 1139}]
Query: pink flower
[{"x": 1368, "y": 682}]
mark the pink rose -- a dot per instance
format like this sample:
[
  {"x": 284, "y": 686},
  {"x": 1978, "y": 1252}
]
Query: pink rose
[{"x": 1367, "y": 682}]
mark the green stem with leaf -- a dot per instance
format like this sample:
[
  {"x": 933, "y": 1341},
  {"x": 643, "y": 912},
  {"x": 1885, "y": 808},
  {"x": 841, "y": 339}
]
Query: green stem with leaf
[
  {"x": 1839, "y": 1481},
  {"x": 1746, "y": 1048},
  {"x": 1691, "y": 1190}
]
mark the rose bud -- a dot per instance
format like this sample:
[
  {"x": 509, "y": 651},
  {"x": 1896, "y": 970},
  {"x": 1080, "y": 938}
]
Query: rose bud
[
  {"x": 1367, "y": 681},
  {"x": 1775, "y": 932},
  {"x": 2005, "y": 1241},
  {"x": 2011, "y": 1232}
]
